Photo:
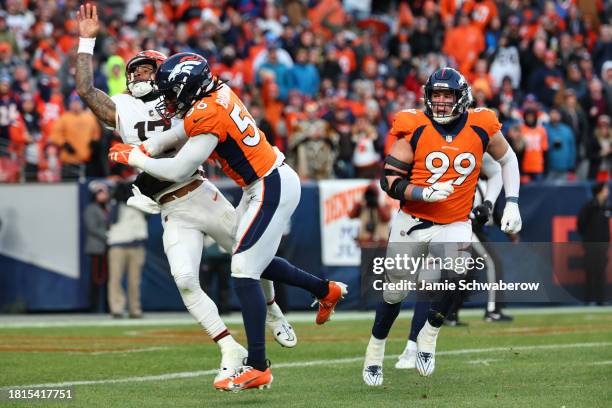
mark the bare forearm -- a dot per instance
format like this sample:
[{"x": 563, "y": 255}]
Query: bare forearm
[{"x": 99, "y": 102}]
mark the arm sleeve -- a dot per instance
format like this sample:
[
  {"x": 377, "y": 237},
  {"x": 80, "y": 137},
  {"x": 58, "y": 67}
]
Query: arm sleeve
[
  {"x": 185, "y": 163},
  {"x": 492, "y": 170},
  {"x": 510, "y": 173},
  {"x": 165, "y": 140}
]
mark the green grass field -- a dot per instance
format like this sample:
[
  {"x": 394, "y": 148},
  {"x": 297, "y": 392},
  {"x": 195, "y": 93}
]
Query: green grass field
[{"x": 553, "y": 359}]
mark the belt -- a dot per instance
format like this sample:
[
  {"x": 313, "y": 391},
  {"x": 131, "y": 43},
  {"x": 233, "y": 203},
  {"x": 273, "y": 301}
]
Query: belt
[
  {"x": 423, "y": 224},
  {"x": 180, "y": 192}
]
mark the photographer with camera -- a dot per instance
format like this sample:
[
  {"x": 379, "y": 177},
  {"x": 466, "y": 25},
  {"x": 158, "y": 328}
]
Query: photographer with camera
[{"x": 374, "y": 218}]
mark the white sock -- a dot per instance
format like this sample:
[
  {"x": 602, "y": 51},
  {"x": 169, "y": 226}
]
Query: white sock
[
  {"x": 427, "y": 338},
  {"x": 227, "y": 343},
  {"x": 274, "y": 310},
  {"x": 268, "y": 290},
  {"x": 490, "y": 306},
  {"x": 375, "y": 353},
  {"x": 411, "y": 347}
]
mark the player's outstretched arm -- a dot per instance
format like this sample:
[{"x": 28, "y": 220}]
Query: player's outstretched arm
[
  {"x": 178, "y": 168},
  {"x": 395, "y": 180},
  {"x": 170, "y": 138},
  {"x": 502, "y": 152},
  {"x": 99, "y": 102}
]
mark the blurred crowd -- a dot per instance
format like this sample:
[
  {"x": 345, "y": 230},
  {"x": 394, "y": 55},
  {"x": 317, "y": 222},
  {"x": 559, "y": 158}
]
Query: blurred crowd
[{"x": 322, "y": 78}]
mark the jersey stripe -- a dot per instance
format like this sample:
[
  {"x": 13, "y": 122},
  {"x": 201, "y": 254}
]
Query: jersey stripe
[
  {"x": 269, "y": 203},
  {"x": 482, "y": 134},
  {"x": 236, "y": 160},
  {"x": 415, "y": 137}
]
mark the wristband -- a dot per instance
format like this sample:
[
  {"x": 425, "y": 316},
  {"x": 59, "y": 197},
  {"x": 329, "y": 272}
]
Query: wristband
[{"x": 86, "y": 45}]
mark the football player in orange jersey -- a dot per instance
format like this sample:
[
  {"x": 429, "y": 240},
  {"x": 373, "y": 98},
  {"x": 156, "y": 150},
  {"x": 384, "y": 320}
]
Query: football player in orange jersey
[
  {"x": 433, "y": 169},
  {"x": 218, "y": 126}
]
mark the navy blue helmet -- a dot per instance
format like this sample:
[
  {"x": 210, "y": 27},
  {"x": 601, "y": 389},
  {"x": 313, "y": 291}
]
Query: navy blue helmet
[
  {"x": 182, "y": 80},
  {"x": 447, "y": 79}
]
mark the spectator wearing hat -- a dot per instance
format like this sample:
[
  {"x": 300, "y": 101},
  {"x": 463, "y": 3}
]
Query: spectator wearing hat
[
  {"x": 547, "y": 80},
  {"x": 126, "y": 239},
  {"x": 366, "y": 154},
  {"x": 561, "y": 154},
  {"x": 73, "y": 133},
  {"x": 7, "y": 35},
  {"x": 536, "y": 144},
  {"x": 8, "y": 61},
  {"x": 600, "y": 150},
  {"x": 115, "y": 73},
  {"x": 95, "y": 219},
  {"x": 594, "y": 229}
]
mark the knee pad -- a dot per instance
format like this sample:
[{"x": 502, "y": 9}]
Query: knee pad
[{"x": 187, "y": 285}]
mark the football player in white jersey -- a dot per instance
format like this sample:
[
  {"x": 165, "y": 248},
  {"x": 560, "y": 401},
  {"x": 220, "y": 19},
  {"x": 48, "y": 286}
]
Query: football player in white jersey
[{"x": 189, "y": 209}]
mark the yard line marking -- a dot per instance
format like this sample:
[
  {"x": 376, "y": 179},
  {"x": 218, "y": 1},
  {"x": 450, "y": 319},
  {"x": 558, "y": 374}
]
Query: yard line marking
[
  {"x": 176, "y": 319},
  {"x": 485, "y": 361},
  {"x": 192, "y": 374},
  {"x": 603, "y": 362}
]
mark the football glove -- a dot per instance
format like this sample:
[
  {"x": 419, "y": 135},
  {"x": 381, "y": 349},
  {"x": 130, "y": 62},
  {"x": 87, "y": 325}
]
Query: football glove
[
  {"x": 438, "y": 191},
  {"x": 511, "y": 222},
  {"x": 127, "y": 154},
  {"x": 482, "y": 212}
]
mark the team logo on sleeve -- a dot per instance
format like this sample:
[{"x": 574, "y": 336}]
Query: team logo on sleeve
[{"x": 183, "y": 67}]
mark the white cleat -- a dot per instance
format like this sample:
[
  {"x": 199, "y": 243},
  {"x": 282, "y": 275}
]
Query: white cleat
[
  {"x": 280, "y": 327},
  {"x": 407, "y": 360},
  {"x": 231, "y": 360},
  {"x": 426, "y": 350},
  {"x": 372, "y": 366},
  {"x": 373, "y": 375}
]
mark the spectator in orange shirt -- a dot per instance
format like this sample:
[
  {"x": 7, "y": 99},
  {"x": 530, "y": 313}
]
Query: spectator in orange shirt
[
  {"x": 536, "y": 143},
  {"x": 72, "y": 133},
  {"x": 481, "y": 11},
  {"x": 464, "y": 43}
]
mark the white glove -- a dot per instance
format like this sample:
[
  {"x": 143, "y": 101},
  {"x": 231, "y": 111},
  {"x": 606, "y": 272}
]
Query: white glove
[
  {"x": 438, "y": 191},
  {"x": 142, "y": 202},
  {"x": 511, "y": 222}
]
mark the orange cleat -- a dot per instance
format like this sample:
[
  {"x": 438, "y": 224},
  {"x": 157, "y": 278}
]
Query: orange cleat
[
  {"x": 337, "y": 290},
  {"x": 246, "y": 377}
]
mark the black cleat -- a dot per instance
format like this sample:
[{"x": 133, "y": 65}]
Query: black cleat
[{"x": 497, "y": 316}]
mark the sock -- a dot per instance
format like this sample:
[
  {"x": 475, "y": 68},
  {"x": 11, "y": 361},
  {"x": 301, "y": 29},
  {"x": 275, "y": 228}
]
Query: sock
[
  {"x": 419, "y": 317},
  {"x": 375, "y": 353},
  {"x": 253, "y": 307},
  {"x": 490, "y": 306},
  {"x": 268, "y": 290},
  {"x": 282, "y": 271},
  {"x": 385, "y": 316},
  {"x": 227, "y": 342}
]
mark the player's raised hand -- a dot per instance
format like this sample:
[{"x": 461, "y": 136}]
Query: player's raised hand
[
  {"x": 438, "y": 191},
  {"x": 87, "y": 16},
  {"x": 511, "y": 222}
]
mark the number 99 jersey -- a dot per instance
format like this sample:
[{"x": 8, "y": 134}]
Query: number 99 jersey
[
  {"x": 446, "y": 153},
  {"x": 243, "y": 150}
]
